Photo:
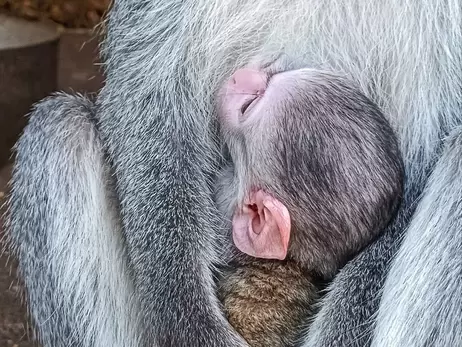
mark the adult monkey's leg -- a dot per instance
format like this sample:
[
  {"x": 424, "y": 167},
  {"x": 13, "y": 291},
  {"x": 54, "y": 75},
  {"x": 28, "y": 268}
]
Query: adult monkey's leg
[
  {"x": 66, "y": 232},
  {"x": 422, "y": 302}
]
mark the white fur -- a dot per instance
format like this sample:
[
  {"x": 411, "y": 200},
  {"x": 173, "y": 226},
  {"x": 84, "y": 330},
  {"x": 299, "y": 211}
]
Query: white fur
[{"x": 93, "y": 240}]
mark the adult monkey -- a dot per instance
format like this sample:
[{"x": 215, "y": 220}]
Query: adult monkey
[{"x": 164, "y": 62}]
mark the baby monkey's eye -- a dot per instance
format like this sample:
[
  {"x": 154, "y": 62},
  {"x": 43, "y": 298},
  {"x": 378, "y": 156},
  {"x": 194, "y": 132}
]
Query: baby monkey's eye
[{"x": 247, "y": 104}]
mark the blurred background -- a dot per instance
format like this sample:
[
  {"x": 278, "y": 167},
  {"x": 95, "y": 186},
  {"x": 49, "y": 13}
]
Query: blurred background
[{"x": 45, "y": 46}]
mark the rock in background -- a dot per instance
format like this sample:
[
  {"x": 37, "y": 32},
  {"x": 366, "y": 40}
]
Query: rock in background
[{"x": 69, "y": 13}]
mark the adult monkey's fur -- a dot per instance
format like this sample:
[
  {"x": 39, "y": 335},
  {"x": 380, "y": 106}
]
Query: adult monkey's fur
[{"x": 155, "y": 116}]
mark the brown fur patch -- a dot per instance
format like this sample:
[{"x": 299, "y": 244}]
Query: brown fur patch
[{"x": 268, "y": 301}]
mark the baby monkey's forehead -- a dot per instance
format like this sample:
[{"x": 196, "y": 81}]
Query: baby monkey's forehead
[
  {"x": 303, "y": 88},
  {"x": 305, "y": 78}
]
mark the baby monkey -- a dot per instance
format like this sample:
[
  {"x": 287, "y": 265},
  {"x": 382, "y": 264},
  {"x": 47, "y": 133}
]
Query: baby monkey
[{"x": 316, "y": 174}]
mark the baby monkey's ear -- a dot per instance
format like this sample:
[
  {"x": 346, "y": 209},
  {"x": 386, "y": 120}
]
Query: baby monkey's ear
[{"x": 262, "y": 228}]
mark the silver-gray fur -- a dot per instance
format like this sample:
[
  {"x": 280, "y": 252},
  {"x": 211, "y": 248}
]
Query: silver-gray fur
[
  {"x": 164, "y": 62},
  {"x": 428, "y": 265},
  {"x": 67, "y": 232}
]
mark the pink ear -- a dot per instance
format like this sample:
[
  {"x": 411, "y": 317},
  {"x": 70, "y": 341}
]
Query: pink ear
[{"x": 262, "y": 228}]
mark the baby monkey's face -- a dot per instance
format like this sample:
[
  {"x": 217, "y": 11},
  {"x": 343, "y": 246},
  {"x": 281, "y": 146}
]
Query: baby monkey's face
[
  {"x": 275, "y": 121},
  {"x": 254, "y": 102},
  {"x": 263, "y": 116}
]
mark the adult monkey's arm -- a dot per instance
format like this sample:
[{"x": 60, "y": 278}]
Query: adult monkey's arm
[
  {"x": 66, "y": 232},
  {"x": 156, "y": 124}
]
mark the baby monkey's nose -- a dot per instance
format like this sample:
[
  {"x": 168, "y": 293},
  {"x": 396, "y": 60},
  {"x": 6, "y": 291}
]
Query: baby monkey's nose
[{"x": 249, "y": 81}]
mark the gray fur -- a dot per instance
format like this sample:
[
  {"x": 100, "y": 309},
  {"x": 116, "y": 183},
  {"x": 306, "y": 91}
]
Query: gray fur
[
  {"x": 164, "y": 61},
  {"x": 67, "y": 233},
  {"x": 428, "y": 265}
]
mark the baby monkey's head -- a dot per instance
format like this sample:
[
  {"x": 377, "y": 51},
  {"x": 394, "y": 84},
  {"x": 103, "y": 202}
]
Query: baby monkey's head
[{"x": 316, "y": 165}]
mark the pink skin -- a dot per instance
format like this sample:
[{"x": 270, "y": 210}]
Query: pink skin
[
  {"x": 242, "y": 92},
  {"x": 262, "y": 227}
]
